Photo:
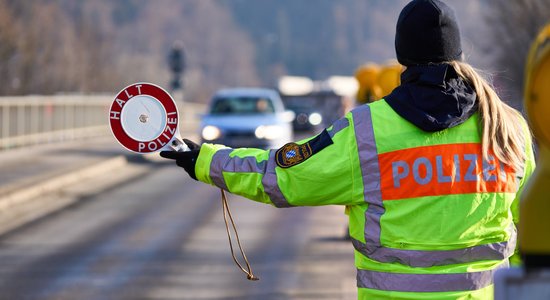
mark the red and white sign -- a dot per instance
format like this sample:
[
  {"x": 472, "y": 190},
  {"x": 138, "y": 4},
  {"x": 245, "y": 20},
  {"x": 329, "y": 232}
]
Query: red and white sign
[{"x": 143, "y": 118}]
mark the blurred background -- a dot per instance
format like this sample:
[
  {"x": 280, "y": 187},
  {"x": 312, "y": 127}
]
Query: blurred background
[
  {"x": 81, "y": 218},
  {"x": 62, "y": 46}
]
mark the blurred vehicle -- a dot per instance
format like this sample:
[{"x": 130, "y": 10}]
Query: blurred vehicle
[
  {"x": 247, "y": 117},
  {"x": 306, "y": 109},
  {"x": 317, "y": 104},
  {"x": 315, "y": 110}
]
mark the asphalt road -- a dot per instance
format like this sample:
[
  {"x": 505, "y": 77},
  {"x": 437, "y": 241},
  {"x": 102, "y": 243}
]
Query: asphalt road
[{"x": 160, "y": 235}]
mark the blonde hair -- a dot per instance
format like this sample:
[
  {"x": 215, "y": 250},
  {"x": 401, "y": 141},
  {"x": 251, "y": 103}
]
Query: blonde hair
[{"x": 503, "y": 127}]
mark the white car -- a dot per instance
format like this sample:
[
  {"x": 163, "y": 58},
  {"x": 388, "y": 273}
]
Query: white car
[{"x": 247, "y": 117}]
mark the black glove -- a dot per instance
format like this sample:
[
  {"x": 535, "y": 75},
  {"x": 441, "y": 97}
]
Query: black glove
[{"x": 187, "y": 159}]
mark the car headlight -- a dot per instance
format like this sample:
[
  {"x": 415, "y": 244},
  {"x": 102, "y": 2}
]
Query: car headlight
[
  {"x": 315, "y": 118},
  {"x": 268, "y": 132},
  {"x": 210, "y": 132}
]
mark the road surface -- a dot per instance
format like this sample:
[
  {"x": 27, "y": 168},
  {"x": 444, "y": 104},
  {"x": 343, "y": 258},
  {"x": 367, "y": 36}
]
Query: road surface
[{"x": 160, "y": 235}]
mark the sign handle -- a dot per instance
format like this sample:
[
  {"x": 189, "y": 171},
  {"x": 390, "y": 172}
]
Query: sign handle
[{"x": 178, "y": 145}]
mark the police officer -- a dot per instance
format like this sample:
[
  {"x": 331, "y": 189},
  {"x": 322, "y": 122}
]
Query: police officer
[{"x": 430, "y": 174}]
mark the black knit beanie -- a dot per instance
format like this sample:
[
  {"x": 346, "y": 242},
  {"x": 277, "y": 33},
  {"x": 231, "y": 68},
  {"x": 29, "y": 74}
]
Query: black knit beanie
[{"x": 427, "y": 32}]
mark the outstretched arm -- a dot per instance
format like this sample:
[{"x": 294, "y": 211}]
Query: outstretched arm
[{"x": 321, "y": 170}]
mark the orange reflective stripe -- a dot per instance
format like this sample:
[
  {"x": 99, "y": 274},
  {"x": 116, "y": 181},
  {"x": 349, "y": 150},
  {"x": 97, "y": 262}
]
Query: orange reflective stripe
[{"x": 442, "y": 170}]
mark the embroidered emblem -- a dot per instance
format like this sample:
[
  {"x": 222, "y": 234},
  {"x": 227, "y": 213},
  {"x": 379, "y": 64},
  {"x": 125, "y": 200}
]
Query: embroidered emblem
[{"x": 292, "y": 154}]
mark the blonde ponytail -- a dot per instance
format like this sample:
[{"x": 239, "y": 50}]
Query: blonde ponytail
[{"x": 503, "y": 126}]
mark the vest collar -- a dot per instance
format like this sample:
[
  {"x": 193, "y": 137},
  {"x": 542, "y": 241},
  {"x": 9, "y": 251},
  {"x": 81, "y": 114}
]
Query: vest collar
[{"x": 433, "y": 97}]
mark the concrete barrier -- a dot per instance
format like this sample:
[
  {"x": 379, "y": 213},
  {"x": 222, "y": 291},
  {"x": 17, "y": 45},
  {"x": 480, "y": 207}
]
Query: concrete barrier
[
  {"x": 28, "y": 120},
  {"x": 20, "y": 205},
  {"x": 47, "y": 120}
]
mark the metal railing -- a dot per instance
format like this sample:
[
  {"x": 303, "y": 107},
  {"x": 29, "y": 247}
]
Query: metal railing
[{"x": 27, "y": 120}]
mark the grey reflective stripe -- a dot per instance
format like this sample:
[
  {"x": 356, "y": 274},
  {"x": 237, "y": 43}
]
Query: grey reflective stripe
[
  {"x": 216, "y": 167},
  {"x": 373, "y": 248},
  {"x": 337, "y": 126},
  {"x": 404, "y": 282},
  {"x": 425, "y": 258},
  {"x": 222, "y": 162},
  {"x": 368, "y": 157},
  {"x": 269, "y": 181}
]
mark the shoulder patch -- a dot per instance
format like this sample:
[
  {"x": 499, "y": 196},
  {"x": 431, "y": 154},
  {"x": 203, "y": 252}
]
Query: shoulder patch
[{"x": 292, "y": 154}]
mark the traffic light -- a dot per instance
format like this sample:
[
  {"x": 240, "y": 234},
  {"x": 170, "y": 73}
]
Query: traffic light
[{"x": 176, "y": 62}]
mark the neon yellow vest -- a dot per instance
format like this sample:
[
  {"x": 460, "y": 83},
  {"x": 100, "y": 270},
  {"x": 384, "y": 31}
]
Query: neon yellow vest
[{"x": 429, "y": 218}]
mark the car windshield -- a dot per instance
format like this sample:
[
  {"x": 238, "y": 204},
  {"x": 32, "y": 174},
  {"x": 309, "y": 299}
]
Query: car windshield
[
  {"x": 242, "y": 105},
  {"x": 301, "y": 102}
]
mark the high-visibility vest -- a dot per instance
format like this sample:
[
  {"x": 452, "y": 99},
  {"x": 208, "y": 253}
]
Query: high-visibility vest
[{"x": 430, "y": 218}]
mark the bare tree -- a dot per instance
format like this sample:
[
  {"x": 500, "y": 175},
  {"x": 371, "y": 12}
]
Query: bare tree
[
  {"x": 514, "y": 25},
  {"x": 50, "y": 46},
  {"x": 8, "y": 48},
  {"x": 218, "y": 53}
]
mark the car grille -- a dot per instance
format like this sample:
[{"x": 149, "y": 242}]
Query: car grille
[
  {"x": 240, "y": 138},
  {"x": 240, "y": 134}
]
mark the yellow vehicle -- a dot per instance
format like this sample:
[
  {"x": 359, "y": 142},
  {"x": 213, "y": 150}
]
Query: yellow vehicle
[
  {"x": 535, "y": 207},
  {"x": 376, "y": 81}
]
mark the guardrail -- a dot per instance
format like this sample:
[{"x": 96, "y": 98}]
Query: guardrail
[{"x": 27, "y": 120}]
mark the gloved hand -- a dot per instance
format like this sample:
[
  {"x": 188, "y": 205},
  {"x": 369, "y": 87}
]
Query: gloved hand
[{"x": 187, "y": 159}]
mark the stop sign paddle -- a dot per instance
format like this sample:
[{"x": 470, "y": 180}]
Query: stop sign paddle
[{"x": 144, "y": 119}]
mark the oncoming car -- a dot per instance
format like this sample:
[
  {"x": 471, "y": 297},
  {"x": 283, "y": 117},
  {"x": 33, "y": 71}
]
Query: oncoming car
[{"x": 247, "y": 117}]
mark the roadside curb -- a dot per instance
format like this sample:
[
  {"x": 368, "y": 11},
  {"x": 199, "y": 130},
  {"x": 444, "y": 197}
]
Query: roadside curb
[
  {"x": 25, "y": 204},
  {"x": 27, "y": 200}
]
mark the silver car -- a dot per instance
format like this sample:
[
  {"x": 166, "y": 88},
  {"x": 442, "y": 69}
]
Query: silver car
[{"x": 247, "y": 117}]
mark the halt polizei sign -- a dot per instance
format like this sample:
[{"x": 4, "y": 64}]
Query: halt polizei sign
[{"x": 144, "y": 119}]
